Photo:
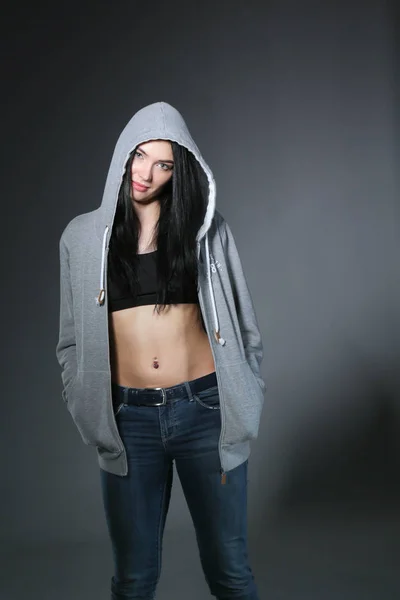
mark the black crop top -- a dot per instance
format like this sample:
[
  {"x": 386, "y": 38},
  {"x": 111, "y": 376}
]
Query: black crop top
[{"x": 119, "y": 296}]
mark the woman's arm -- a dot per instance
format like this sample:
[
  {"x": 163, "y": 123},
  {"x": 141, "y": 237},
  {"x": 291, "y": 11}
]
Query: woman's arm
[
  {"x": 250, "y": 331},
  {"x": 66, "y": 346}
]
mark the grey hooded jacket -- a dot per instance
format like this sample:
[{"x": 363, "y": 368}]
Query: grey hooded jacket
[{"x": 225, "y": 301}]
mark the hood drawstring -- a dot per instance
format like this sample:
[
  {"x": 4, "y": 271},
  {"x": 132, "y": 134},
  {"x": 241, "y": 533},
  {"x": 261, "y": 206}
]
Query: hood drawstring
[
  {"x": 217, "y": 335},
  {"x": 102, "y": 294}
]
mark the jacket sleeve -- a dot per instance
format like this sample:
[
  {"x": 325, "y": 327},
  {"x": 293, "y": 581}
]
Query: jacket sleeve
[
  {"x": 251, "y": 336},
  {"x": 66, "y": 346}
]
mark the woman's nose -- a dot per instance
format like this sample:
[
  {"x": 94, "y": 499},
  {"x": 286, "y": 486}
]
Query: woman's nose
[{"x": 146, "y": 175}]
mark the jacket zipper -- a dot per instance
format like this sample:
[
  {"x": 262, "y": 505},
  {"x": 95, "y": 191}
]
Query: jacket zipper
[
  {"x": 108, "y": 353},
  {"x": 222, "y": 470}
]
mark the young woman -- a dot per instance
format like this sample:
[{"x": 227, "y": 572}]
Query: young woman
[{"x": 160, "y": 352}]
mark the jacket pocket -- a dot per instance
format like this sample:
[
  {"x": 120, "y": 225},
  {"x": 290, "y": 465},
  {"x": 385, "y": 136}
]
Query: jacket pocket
[
  {"x": 66, "y": 390},
  {"x": 90, "y": 406},
  {"x": 242, "y": 401}
]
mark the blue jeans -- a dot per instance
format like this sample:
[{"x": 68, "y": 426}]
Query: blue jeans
[{"x": 185, "y": 430}]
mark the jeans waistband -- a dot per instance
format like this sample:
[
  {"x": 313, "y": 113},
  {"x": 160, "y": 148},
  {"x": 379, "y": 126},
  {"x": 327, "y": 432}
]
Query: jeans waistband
[{"x": 159, "y": 396}]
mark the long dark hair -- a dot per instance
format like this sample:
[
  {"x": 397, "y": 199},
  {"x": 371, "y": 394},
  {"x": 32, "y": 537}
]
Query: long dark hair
[{"x": 183, "y": 207}]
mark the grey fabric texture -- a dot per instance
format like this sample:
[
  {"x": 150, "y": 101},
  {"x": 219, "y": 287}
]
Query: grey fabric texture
[{"x": 226, "y": 304}]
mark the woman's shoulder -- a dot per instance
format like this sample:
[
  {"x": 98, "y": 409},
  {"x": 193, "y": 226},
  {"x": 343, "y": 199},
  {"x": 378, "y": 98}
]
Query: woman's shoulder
[{"x": 78, "y": 228}]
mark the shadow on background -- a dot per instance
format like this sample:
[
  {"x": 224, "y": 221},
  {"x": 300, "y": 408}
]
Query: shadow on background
[{"x": 361, "y": 473}]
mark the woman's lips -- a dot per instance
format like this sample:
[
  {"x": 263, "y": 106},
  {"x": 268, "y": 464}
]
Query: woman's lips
[{"x": 140, "y": 188}]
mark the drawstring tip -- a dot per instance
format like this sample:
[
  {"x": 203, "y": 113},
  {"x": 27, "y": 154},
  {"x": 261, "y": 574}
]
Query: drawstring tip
[
  {"x": 218, "y": 337},
  {"x": 223, "y": 478},
  {"x": 100, "y": 298}
]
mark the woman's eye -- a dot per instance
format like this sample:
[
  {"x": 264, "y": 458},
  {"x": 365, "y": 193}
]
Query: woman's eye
[{"x": 164, "y": 166}]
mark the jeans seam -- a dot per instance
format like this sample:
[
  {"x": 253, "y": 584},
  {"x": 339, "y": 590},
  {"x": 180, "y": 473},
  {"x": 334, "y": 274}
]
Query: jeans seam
[
  {"x": 159, "y": 544},
  {"x": 119, "y": 408}
]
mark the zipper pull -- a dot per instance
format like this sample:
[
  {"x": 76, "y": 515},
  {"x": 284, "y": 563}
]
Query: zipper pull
[{"x": 223, "y": 477}]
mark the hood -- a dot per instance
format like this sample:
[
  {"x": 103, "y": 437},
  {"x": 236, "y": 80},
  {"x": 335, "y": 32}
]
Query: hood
[{"x": 162, "y": 121}]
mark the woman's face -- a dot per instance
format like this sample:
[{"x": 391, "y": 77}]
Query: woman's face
[{"x": 152, "y": 167}]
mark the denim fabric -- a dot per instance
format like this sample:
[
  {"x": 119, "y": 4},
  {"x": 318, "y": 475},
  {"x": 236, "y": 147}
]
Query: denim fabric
[{"x": 186, "y": 430}]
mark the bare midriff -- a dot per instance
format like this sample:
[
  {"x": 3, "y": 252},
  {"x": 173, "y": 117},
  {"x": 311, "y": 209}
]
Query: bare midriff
[{"x": 148, "y": 349}]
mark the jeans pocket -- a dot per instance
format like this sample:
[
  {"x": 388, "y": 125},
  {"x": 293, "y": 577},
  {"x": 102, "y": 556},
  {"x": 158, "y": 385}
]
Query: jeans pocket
[{"x": 208, "y": 398}]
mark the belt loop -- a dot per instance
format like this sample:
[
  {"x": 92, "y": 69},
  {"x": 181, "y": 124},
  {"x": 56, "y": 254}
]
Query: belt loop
[
  {"x": 189, "y": 391},
  {"x": 164, "y": 396}
]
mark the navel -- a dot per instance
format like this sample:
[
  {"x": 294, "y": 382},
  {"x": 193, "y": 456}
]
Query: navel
[{"x": 155, "y": 363}]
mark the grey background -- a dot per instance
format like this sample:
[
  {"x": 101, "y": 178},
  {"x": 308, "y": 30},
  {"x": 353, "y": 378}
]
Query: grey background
[{"x": 292, "y": 104}]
